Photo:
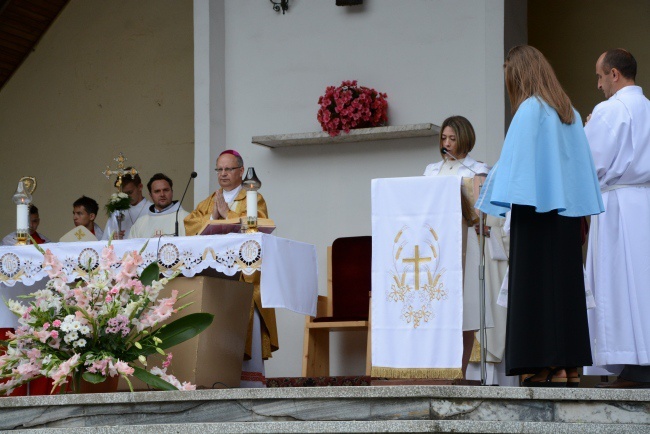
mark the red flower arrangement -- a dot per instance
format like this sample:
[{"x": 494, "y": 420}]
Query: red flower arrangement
[{"x": 350, "y": 106}]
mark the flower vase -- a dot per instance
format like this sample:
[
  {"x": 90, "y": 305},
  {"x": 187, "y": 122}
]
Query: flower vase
[{"x": 107, "y": 386}]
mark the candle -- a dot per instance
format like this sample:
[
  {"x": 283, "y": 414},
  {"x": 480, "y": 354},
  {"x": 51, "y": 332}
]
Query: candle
[
  {"x": 251, "y": 203},
  {"x": 22, "y": 217}
]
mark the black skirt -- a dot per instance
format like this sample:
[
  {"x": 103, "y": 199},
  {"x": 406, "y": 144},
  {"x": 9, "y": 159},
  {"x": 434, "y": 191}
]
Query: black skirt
[{"x": 547, "y": 310}]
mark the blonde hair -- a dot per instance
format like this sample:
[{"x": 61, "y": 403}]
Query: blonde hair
[
  {"x": 528, "y": 73},
  {"x": 465, "y": 135}
]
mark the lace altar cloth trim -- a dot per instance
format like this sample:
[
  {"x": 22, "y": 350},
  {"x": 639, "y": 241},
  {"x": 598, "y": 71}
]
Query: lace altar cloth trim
[{"x": 189, "y": 255}]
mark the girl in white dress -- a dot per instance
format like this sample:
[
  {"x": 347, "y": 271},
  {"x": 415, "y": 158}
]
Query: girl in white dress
[{"x": 457, "y": 139}]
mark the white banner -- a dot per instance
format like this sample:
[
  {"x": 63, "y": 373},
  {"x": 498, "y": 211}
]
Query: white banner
[{"x": 417, "y": 277}]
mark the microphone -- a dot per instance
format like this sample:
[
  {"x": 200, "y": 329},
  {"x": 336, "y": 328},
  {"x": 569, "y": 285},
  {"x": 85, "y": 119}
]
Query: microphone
[
  {"x": 444, "y": 151},
  {"x": 192, "y": 176}
]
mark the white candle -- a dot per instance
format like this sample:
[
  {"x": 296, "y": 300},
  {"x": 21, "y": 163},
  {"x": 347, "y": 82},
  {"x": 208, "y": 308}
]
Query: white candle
[
  {"x": 251, "y": 204},
  {"x": 22, "y": 217}
]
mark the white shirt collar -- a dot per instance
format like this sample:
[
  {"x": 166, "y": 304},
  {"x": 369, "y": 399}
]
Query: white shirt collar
[{"x": 229, "y": 196}]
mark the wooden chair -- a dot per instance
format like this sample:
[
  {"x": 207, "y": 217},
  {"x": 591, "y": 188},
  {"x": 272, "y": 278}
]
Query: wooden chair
[{"x": 346, "y": 307}]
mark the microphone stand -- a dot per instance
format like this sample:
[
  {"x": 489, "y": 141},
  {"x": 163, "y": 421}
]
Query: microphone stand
[
  {"x": 192, "y": 176},
  {"x": 481, "y": 286},
  {"x": 481, "y": 280}
]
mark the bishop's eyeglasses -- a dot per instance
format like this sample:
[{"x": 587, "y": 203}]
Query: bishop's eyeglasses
[{"x": 227, "y": 170}]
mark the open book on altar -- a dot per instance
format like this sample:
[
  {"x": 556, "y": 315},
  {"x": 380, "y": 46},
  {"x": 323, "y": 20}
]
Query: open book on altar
[{"x": 229, "y": 226}]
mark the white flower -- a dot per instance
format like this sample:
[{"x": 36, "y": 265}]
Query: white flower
[
  {"x": 84, "y": 330},
  {"x": 16, "y": 307},
  {"x": 131, "y": 307},
  {"x": 79, "y": 343},
  {"x": 122, "y": 195},
  {"x": 72, "y": 336}
]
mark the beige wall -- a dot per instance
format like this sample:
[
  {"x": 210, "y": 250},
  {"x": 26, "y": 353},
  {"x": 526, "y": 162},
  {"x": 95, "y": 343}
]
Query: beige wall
[
  {"x": 108, "y": 77},
  {"x": 572, "y": 34}
]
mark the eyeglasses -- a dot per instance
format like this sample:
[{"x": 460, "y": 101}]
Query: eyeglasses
[{"x": 226, "y": 169}]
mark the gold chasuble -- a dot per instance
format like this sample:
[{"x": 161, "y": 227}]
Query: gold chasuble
[{"x": 195, "y": 221}]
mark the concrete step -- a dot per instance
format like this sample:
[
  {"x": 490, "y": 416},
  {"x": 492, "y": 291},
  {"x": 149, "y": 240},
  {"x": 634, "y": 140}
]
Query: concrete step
[
  {"x": 394, "y": 426},
  {"x": 336, "y": 409}
]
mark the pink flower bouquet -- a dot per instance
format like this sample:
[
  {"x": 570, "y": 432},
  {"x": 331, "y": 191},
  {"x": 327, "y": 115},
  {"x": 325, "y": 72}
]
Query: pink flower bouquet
[
  {"x": 102, "y": 325},
  {"x": 350, "y": 106}
]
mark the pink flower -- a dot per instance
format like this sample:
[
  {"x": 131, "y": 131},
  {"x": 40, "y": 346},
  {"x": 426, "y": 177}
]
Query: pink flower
[
  {"x": 108, "y": 259},
  {"x": 123, "y": 368},
  {"x": 98, "y": 366},
  {"x": 49, "y": 260},
  {"x": 64, "y": 369},
  {"x": 129, "y": 268},
  {"x": 46, "y": 326},
  {"x": 54, "y": 334},
  {"x": 56, "y": 323},
  {"x": 42, "y": 335},
  {"x": 33, "y": 354},
  {"x": 351, "y": 106},
  {"x": 168, "y": 361},
  {"x": 137, "y": 286}
]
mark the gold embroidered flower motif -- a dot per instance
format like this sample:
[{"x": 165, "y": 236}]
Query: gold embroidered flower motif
[{"x": 408, "y": 260}]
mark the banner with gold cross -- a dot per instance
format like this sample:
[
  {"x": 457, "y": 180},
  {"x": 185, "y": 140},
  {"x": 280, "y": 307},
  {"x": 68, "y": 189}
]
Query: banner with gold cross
[{"x": 417, "y": 278}]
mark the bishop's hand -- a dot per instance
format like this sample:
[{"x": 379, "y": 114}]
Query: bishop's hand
[{"x": 220, "y": 209}]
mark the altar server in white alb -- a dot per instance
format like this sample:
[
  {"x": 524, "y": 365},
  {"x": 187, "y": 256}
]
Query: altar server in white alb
[
  {"x": 618, "y": 262},
  {"x": 160, "y": 218},
  {"x": 131, "y": 185}
]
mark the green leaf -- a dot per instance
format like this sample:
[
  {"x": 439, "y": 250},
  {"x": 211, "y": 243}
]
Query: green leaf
[
  {"x": 93, "y": 377},
  {"x": 152, "y": 380},
  {"x": 149, "y": 274},
  {"x": 180, "y": 330}
]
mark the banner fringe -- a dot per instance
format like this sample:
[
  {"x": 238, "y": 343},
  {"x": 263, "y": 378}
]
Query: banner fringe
[{"x": 429, "y": 373}]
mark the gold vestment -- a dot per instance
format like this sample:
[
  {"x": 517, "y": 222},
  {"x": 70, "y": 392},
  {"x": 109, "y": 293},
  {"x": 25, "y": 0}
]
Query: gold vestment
[{"x": 195, "y": 221}]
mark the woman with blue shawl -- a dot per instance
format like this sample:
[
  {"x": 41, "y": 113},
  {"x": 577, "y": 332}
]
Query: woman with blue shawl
[{"x": 546, "y": 177}]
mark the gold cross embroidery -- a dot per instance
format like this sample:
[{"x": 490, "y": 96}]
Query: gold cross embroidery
[
  {"x": 79, "y": 234},
  {"x": 416, "y": 260}
]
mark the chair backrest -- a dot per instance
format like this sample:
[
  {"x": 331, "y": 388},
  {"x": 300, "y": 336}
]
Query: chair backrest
[{"x": 351, "y": 267}]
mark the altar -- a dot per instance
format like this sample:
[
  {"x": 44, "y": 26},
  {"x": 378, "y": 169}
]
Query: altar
[{"x": 289, "y": 278}]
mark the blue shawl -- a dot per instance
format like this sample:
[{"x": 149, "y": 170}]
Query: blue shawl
[{"x": 544, "y": 163}]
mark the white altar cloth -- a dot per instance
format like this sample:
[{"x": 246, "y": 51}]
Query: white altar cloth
[{"x": 289, "y": 277}]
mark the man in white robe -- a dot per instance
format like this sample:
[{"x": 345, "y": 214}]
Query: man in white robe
[
  {"x": 618, "y": 260},
  {"x": 131, "y": 185},
  {"x": 160, "y": 218}
]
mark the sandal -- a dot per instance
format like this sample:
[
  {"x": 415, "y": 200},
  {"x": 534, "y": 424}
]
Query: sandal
[{"x": 551, "y": 380}]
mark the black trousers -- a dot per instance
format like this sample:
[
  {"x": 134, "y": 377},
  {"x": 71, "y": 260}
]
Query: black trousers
[
  {"x": 547, "y": 310},
  {"x": 636, "y": 373}
]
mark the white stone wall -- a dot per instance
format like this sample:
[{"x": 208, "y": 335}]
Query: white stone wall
[{"x": 433, "y": 59}]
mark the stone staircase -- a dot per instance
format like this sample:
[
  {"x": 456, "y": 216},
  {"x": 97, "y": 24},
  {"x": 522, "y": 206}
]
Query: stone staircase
[{"x": 335, "y": 409}]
